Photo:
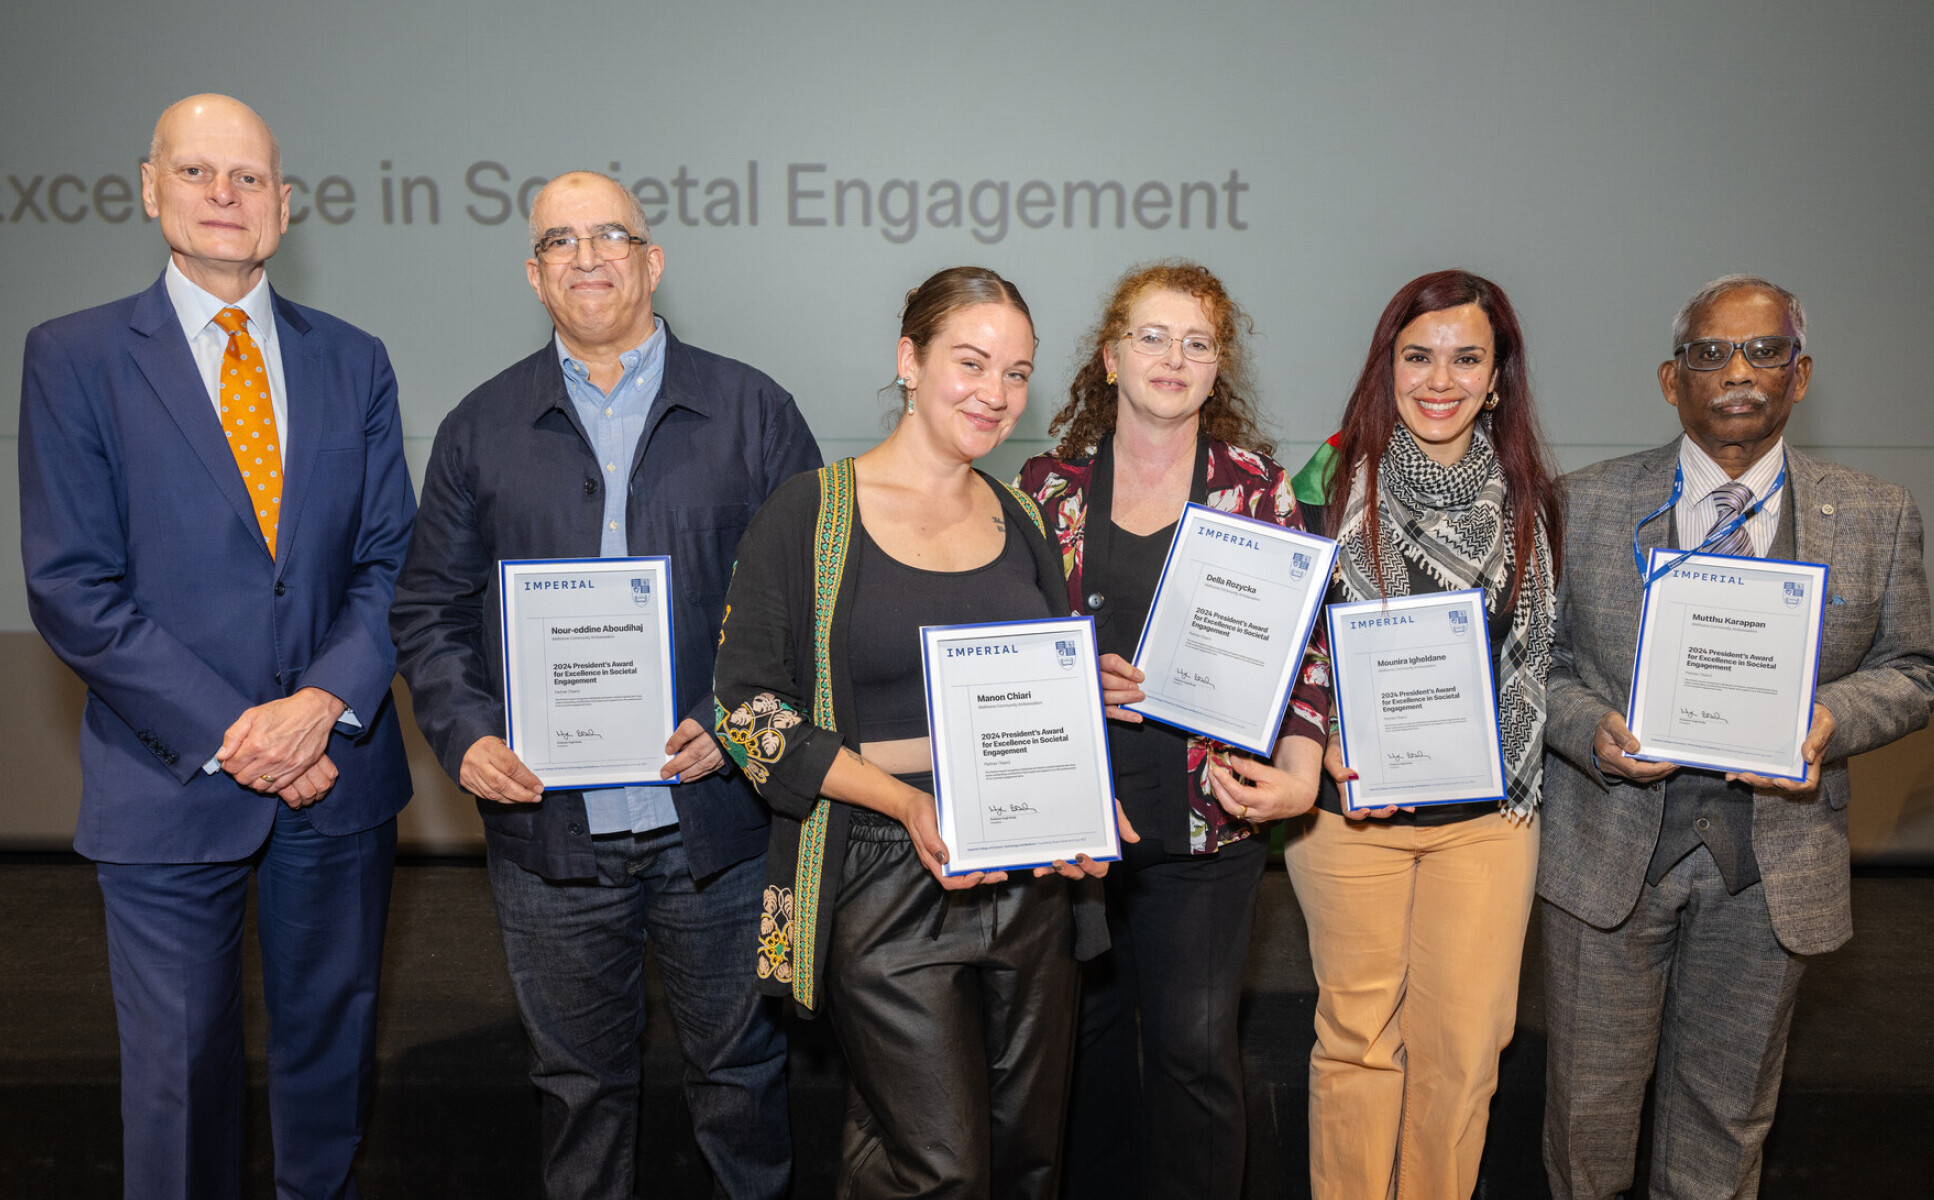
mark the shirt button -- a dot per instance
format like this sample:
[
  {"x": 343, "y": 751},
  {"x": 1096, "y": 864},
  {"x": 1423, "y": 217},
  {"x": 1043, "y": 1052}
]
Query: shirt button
[
  {"x": 1826, "y": 509},
  {"x": 614, "y": 526},
  {"x": 607, "y": 412},
  {"x": 611, "y": 466}
]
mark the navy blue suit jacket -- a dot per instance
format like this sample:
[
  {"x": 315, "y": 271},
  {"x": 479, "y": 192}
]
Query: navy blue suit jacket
[
  {"x": 513, "y": 476},
  {"x": 148, "y": 575}
]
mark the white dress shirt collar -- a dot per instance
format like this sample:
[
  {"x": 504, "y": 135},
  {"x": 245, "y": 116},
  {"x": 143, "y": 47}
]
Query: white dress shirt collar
[{"x": 195, "y": 306}]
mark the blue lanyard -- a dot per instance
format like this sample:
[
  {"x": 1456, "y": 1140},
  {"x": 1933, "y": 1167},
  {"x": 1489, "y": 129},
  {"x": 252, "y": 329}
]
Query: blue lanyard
[{"x": 1712, "y": 539}]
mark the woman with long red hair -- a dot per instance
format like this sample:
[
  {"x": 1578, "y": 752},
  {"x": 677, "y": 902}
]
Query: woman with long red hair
[{"x": 1438, "y": 481}]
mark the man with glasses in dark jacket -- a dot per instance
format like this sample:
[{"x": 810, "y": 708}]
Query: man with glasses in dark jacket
[{"x": 614, "y": 439}]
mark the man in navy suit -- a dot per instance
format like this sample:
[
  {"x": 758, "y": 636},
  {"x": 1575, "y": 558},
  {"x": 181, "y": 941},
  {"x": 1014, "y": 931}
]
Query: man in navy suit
[{"x": 213, "y": 509}]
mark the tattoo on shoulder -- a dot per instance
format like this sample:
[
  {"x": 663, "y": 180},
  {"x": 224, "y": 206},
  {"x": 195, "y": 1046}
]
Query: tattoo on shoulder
[{"x": 1000, "y": 523}]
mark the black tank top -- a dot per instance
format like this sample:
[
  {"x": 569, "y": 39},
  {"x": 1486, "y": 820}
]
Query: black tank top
[{"x": 892, "y": 600}]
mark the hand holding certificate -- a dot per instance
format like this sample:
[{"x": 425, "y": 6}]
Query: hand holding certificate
[
  {"x": 1020, "y": 756},
  {"x": 588, "y": 673},
  {"x": 1225, "y": 633},
  {"x": 1416, "y": 701},
  {"x": 1727, "y": 656}
]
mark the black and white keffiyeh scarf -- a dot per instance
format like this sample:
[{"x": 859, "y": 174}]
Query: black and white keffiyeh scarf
[{"x": 1454, "y": 524}]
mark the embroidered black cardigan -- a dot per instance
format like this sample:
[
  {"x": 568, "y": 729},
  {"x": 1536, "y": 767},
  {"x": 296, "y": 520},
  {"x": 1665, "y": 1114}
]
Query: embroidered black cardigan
[{"x": 783, "y": 692}]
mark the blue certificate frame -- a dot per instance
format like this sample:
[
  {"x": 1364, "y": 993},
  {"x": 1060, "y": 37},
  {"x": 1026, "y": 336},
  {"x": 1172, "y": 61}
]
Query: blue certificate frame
[
  {"x": 1702, "y": 574},
  {"x": 992, "y": 701},
  {"x": 1343, "y": 667},
  {"x": 1297, "y": 562},
  {"x": 567, "y": 760}
]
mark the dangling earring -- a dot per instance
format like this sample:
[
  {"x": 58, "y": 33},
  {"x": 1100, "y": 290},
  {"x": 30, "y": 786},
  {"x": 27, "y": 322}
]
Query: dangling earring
[
  {"x": 905, "y": 391},
  {"x": 1491, "y": 401},
  {"x": 1111, "y": 379}
]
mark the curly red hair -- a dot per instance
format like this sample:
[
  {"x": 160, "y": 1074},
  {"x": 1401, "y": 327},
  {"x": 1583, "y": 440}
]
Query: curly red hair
[{"x": 1229, "y": 414}]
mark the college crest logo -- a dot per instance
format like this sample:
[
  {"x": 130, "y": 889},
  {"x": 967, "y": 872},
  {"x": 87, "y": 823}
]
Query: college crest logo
[
  {"x": 1064, "y": 653},
  {"x": 1795, "y": 593},
  {"x": 1460, "y": 622},
  {"x": 1298, "y": 565},
  {"x": 641, "y": 592}
]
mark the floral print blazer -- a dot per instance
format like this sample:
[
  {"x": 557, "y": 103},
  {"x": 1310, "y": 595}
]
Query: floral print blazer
[{"x": 1233, "y": 480}]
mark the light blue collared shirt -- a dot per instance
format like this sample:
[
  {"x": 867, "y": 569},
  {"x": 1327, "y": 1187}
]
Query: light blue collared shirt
[
  {"x": 614, "y": 422},
  {"x": 196, "y": 307}
]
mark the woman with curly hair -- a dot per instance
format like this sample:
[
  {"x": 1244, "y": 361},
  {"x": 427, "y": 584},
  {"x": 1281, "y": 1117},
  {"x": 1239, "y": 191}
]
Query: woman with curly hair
[
  {"x": 1438, "y": 481},
  {"x": 1160, "y": 414},
  {"x": 953, "y": 997}
]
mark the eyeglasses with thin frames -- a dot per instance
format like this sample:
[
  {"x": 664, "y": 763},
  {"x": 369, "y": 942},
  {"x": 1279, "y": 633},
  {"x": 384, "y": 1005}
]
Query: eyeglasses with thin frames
[
  {"x": 1765, "y": 353},
  {"x": 1196, "y": 347},
  {"x": 611, "y": 245}
]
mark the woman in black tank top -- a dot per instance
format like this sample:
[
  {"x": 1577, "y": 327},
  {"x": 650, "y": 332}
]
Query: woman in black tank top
[{"x": 953, "y": 998}]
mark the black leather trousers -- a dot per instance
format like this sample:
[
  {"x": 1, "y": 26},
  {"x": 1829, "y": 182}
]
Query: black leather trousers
[{"x": 956, "y": 1011}]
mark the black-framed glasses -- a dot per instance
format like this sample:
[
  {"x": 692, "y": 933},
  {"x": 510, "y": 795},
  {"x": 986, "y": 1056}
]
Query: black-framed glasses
[
  {"x": 1764, "y": 353},
  {"x": 1196, "y": 347},
  {"x": 611, "y": 245}
]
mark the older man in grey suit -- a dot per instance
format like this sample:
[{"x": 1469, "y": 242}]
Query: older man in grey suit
[{"x": 1679, "y": 905}]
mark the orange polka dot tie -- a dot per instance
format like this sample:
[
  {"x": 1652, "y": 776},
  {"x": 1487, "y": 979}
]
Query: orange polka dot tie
[{"x": 248, "y": 421}]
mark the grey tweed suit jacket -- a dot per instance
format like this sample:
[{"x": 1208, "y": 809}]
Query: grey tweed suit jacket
[{"x": 1876, "y": 678}]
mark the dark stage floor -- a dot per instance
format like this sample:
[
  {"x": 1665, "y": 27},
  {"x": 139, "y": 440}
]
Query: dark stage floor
[{"x": 454, "y": 1114}]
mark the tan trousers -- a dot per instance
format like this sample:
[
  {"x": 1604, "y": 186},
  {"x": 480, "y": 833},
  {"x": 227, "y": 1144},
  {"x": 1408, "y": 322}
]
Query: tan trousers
[{"x": 1416, "y": 934}]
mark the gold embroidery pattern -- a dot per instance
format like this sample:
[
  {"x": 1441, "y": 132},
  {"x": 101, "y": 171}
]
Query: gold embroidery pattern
[
  {"x": 1028, "y": 506},
  {"x": 754, "y": 733},
  {"x": 775, "y": 935},
  {"x": 830, "y": 539}
]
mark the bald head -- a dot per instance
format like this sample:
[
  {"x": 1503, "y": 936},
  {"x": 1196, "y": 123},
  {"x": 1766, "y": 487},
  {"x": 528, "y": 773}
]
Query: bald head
[
  {"x": 213, "y": 182},
  {"x": 212, "y": 109},
  {"x": 584, "y": 183}
]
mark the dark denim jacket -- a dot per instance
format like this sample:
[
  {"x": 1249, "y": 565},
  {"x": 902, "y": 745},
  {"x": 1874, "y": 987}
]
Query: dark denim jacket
[{"x": 512, "y": 475}]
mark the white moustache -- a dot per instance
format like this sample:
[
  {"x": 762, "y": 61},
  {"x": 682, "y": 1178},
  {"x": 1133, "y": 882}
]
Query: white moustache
[{"x": 1738, "y": 395}]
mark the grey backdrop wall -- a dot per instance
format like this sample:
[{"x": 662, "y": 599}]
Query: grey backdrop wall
[{"x": 805, "y": 164}]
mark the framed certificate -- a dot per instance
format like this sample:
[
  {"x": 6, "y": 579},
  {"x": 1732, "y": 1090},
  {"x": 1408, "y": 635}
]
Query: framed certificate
[
  {"x": 1728, "y": 652},
  {"x": 1020, "y": 755},
  {"x": 589, "y": 679},
  {"x": 1416, "y": 701},
  {"x": 1226, "y": 630}
]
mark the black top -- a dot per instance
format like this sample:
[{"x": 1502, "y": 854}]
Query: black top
[
  {"x": 1143, "y": 755},
  {"x": 784, "y": 665},
  {"x": 1497, "y": 624},
  {"x": 890, "y": 604}
]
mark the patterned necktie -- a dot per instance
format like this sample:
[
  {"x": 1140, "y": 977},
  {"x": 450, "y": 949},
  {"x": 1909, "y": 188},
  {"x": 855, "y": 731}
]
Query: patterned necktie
[
  {"x": 248, "y": 421},
  {"x": 1731, "y": 499}
]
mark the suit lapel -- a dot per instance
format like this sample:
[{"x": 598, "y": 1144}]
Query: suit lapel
[
  {"x": 1806, "y": 492},
  {"x": 1650, "y": 489},
  {"x": 1643, "y": 491},
  {"x": 301, "y": 376},
  {"x": 161, "y": 352}
]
